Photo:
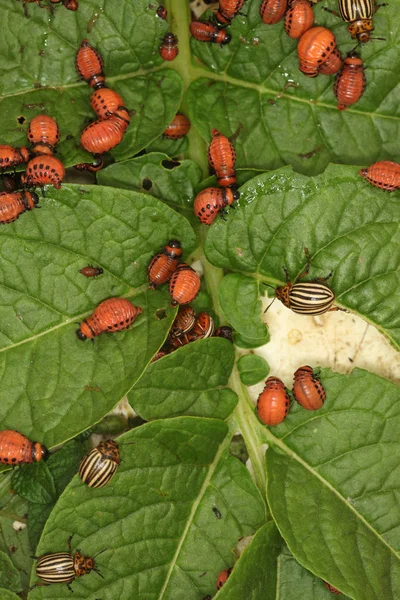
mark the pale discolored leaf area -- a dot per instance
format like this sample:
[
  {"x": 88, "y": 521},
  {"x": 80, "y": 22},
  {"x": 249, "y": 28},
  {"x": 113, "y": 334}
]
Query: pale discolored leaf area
[
  {"x": 279, "y": 116},
  {"x": 355, "y": 237},
  {"x": 190, "y": 381},
  {"x": 54, "y": 385},
  {"x": 156, "y": 516},
  {"x": 333, "y": 485}
]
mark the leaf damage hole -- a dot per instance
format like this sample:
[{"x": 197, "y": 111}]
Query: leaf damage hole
[
  {"x": 147, "y": 184},
  {"x": 21, "y": 119},
  {"x": 161, "y": 314},
  {"x": 309, "y": 155},
  {"x": 170, "y": 164}
]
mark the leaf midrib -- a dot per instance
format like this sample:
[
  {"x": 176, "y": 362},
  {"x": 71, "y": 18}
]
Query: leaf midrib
[{"x": 211, "y": 470}]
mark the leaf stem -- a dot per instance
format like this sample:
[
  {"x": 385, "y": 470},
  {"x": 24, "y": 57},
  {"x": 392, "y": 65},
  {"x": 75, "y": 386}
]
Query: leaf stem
[
  {"x": 252, "y": 431},
  {"x": 179, "y": 16}
]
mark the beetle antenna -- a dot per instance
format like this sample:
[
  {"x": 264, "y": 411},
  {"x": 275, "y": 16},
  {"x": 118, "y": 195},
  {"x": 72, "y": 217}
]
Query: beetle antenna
[
  {"x": 269, "y": 305},
  {"x": 268, "y": 285},
  {"x": 98, "y": 572},
  {"x": 101, "y": 552}
]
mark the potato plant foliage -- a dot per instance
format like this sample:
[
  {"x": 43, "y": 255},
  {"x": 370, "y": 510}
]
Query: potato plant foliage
[{"x": 320, "y": 497}]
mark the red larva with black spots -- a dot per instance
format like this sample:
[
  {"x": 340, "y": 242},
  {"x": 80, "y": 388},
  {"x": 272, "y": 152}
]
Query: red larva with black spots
[
  {"x": 16, "y": 449},
  {"x": 90, "y": 271},
  {"x": 89, "y": 65},
  {"x": 299, "y": 18},
  {"x": 314, "y": 48},
  {"x": 114, "y": 314},
  {"x": 101, "y": 136},
  {"x": 212, "y": 201},
  {"x": 308, "y": 390},
  {"x": 105, "y": 102},
  {"x": 179, "y": 127},
  {"x": 350, "y": 82},
  {"x": 273, "y": 403},
  {"x": 272, "y": 11},
  {"x": 222, "y": 158},
  {"x": 184, "y": 285},
  {"x": 43, "y": 134},
  {"x": 204, "y": 31},
  {"x": 332, "y": 64},
  {"x": 384, "y": 174},
  {"x": 227, "y": 11},
  {"x": 11, "y": 157},
  {"x": 12, "y": 205},
  {"x": 169, "y": 48},
  {"x": 163, "y": 264},
  {"x": 223, "y": 577},
  {"x": 44, "y": 170}
]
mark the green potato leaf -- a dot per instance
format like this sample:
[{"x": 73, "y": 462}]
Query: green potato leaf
[
  {"x": 253, "y": 90},
  {"x": 54, "y": 385},
  {"x": 190, "y": 381},
  {"x": 239, "y": 297},
  {"x": 332, "y": 485},
  {"x": 173, "y": 474},
  {"x": 9, "y": 575},
  {"x": 356, "y": 237},
  {"x": 157, "y": 175},
  {"x": 252, "y": 368}
]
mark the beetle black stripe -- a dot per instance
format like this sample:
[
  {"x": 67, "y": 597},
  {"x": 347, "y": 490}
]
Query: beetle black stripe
[
  {"x": 354, "y": 10},
  {"x": 95, "y": 470},
  {"x": 311, "y": 298},
  {"x": 56, "y": 568}
]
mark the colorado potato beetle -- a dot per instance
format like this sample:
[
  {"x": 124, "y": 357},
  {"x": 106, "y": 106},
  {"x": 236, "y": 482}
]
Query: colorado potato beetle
[
  {"x": 308, "y": 390},
  {"x": 212, "y": 201},
  {"x": 184, "y": 321},
  {"x": 273, "y": 403},
  {"x": 44, "y": 170},
  {"x": 105, "y": 102},
  {"x": 359, "y": 14},
  {"x": 272, "y": 11},
  {"x": 114, "y": 314},
  {"x": 227, "y": 11},
  {"x": 43, "y": 134},
  {"x": 10, "y": 157},
  {"x": 314, "y": 48},
  {"x": 178, "y": 128},
  {"x": 169, "y": 48},
  {"x": 93, "y": 167},
  {"x": 223, "y": 577},
  {"x": 97, "y": 468},
  {"x": 89, "y": 65},
  {"x": 350, "y": 81},
  {"x": 204, "y": 31},
  {"x": 384, "y": 174},
  {"x": 90, "y": 271},
  {"x": 299, "y": 18},
  {"x": 332, "y": 589},
  {"x": 314, "y": 298},
  {"x": 184, "y": 285},
  {"x": 163, "y": 264},
  {"x": 13, "y": 204},
  {"x": 101, "y": 136},
  {"x": 63, "y": 567},
  {"x": 15, "y": 449},
  {"x": 332, "y": 64},
  {"x": 222, "y": 158}
]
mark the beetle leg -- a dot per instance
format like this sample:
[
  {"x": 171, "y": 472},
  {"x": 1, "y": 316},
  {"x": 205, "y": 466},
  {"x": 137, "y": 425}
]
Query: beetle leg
[
  {"x": 35, "y": 585},
  {"x": 338, "y": 308},
  {"x": 69, "y": 543},
  {"x": 331, "y": 11},
  {"x": 379, "y": 5},
  {"x": 286, "y": 273},
  {"x": 323, "y": 279}
]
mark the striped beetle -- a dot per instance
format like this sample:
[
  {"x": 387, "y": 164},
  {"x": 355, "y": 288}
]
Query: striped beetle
[
  {"x": 359, "y": 14},
  {"x": 314, "y": 298},
  {"x": 99, "y": 465},
  {"x": 64, "y": 567}
]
